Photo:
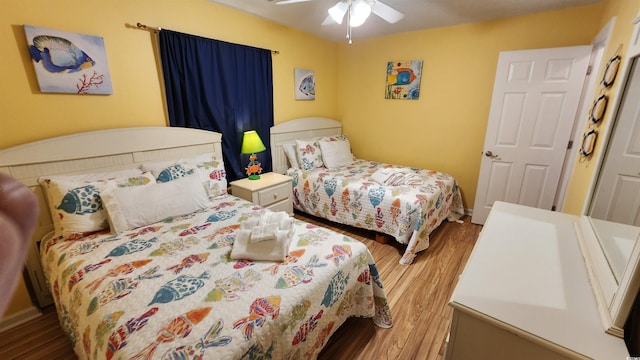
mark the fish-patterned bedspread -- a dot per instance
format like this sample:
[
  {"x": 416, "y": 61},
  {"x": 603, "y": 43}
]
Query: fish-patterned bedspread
[
  {"x": 170, "y": 291},
  {"x": 409, "y": 213}
]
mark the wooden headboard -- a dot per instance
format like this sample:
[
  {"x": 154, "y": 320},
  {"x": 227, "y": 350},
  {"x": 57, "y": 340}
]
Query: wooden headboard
[
  {"x": 95, "y": 151},
  {"x": 303, "y": 128}
]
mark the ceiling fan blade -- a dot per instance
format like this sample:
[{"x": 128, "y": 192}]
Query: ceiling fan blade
[
  {"x": 328, "y": 21},
  {"x": 285, "y": 2},
  {"x": 386, "y": 12}
]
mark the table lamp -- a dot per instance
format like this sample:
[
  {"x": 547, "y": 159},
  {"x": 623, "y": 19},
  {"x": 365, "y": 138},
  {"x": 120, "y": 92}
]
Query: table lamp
[{"x": 252, "y": 144}]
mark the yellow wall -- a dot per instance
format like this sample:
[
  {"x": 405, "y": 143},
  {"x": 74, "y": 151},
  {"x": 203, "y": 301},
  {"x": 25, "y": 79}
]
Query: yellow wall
[
  {"x": 584, "y": 170},
  {"x": 443, "y": 130},
  {"x": 28, "y": 115}
]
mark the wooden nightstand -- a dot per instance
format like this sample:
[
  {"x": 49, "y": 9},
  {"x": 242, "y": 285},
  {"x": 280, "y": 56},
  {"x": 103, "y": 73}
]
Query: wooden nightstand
[{"x": 272, "y": 191}]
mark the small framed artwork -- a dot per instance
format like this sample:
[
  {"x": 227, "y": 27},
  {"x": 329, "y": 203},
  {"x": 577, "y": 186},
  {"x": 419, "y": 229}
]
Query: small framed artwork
[
  {"x": 305, "y": 84},
  {"x": 403, "y": 79},
  {"x": 67, "y": 62}
]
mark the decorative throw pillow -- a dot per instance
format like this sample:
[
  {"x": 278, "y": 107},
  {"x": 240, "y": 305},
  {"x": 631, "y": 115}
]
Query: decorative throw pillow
[
  {"x": 209, "y": 169},
  {"x": 165, "y": 171},
  {"x": 336, "y": 151},
  {"x": 212, "y": 173},
  {"x": 292, "y": 154},
  {"x": 129, "y": 208},
  {"x": 76, "y": 205},
  {"x": 309, "y": 154}
]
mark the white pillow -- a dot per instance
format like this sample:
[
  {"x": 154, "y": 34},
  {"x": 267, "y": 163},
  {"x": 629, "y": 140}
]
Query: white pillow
[
  {"x": 336, "y": 151},
  {"x": 129, "y": 208},
  {"x": 76, "y": 206},
  {"x": 292, "y": 155},
  {"x": 209, "y": 169},
  {"x": 309, "y": 154}
]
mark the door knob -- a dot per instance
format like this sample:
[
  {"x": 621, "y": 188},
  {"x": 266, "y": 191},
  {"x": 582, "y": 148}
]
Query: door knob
[{"x": 489, "y": 154}]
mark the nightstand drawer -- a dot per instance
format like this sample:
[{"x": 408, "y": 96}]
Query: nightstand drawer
[
  {"x": 284, "y": 205},
  {"x": 274, "y": 194}
]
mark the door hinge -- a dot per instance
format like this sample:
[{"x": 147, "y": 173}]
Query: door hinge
[
  {"x": 570, "y": 144},
  {"x": 589, "y": 69}
]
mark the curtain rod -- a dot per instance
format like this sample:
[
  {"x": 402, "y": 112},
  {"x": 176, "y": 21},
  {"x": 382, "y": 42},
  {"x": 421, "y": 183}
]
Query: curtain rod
[{"x": 156, "y": 29}]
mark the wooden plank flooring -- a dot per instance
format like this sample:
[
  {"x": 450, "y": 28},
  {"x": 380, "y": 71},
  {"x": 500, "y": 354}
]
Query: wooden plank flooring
[{"x": 418, "y": 296}]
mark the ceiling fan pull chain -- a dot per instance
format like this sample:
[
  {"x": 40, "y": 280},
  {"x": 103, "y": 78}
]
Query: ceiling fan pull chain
[{"x": 349, "y": 26}]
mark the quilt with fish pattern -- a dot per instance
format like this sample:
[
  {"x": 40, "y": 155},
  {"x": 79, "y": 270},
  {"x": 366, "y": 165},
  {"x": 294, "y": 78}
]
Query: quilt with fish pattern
[
  {"x": 409, "y": 213},
  {"x": 170, "y": 291}
]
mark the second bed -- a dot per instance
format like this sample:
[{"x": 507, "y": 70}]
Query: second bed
[{"x": 403, "y": 202}]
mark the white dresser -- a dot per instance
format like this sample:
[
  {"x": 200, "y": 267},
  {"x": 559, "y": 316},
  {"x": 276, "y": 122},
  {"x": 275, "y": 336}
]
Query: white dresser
[{"x": 525, "y": 293}]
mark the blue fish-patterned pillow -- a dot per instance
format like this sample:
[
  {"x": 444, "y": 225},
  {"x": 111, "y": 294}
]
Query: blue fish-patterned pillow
[
  {"x": 209, "y": 169},
  {"x": 76, "y": 206}
]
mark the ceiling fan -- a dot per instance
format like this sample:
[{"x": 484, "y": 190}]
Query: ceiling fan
[{"x": 357, "y": 11}]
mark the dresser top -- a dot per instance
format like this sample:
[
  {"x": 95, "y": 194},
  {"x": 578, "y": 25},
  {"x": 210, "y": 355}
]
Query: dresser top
[{"x": 527, "y": 275}]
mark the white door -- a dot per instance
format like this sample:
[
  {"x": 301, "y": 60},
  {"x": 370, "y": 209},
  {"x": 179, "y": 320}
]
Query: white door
[
  {"x": 535, "y": 98},
  {"x": 617, "y": 196}
]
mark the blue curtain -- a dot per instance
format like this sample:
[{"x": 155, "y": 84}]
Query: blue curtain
[{"x": 219, "y": 86}]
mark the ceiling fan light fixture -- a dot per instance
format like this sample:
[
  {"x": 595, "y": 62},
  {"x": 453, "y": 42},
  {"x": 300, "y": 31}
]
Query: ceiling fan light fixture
[
  {"x": 360, "y": 11},
  {"x": 337, "y": 11}
]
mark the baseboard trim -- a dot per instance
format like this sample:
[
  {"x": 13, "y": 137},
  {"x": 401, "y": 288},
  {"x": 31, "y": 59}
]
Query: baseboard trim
[{"x": 19, "y": 318}]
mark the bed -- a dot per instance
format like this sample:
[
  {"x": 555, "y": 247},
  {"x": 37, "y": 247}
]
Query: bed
[
  {"x": 405, "y": 203},
  {"x": 129, "y": 286}
]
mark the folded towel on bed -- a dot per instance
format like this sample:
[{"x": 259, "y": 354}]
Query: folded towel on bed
[
  {"x": 279, "y": 218},
  {"x": 266, "y": 238},
  {"x": 264, "y": 232},
  {"x": 271, "y": 250},
  {"x": 381, "y": 175},
  {"x": 396, "y": 177}
]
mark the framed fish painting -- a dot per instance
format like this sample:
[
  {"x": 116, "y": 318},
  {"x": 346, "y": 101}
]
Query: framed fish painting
[
  {"x": 305, "y": 84},
  {"x": 403, "y": 79},
  {"x": 67, "y": 62}
]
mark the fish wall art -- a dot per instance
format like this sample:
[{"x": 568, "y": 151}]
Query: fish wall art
[
  {"x": 305, "y": 84},
  {"x": 403, "y": 79},
  {"x": 68, "y": 62}
]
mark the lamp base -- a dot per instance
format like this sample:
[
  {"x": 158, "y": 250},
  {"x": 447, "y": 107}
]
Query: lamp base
[{"x": 254, "y": 168}]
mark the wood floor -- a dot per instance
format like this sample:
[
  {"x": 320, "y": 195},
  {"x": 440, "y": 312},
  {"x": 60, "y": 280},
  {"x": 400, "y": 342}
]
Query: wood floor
[{"x": 418, "y": 296}]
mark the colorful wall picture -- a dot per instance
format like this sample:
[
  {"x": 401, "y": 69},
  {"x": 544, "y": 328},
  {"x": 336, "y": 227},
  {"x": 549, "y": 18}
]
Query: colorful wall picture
[
  {"x": 305, "y": 84},
  {"x": 403, "y": 79},
  {"x": 68, "y": 62}
]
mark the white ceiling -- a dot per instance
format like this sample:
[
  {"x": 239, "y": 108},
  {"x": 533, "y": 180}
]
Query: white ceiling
[{"x": 419, "y": 14}]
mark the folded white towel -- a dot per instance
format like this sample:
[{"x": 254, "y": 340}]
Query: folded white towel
[
  {"x": 265, "y": 238},
  {"x": 264, "y": 232},
  {"x": 396, "y": 177},
  {"x": 381, "y": 175},
  {"x": 249, "y": 224},
  {"x": 273, "y": 217},
  {"x": 286, "y": 224},
  {"x": 270, "y": 250},
  {"x": 412, "y": 179}
]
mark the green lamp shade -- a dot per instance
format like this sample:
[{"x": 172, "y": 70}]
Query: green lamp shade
[{"x": 251, "y": 143}]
